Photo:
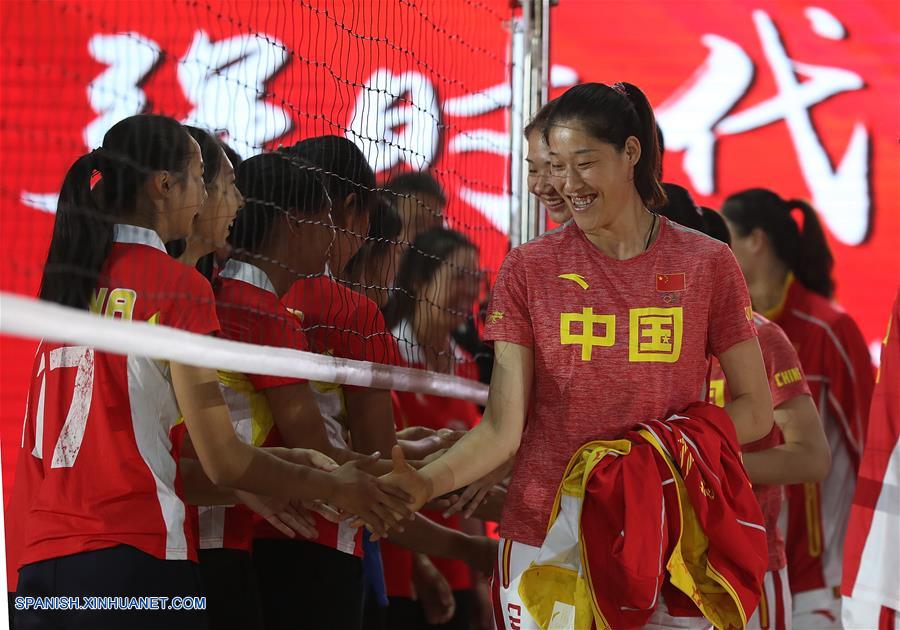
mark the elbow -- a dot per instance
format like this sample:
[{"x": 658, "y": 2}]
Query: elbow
[
  {"x": 222, "y": 469},
  {"x": 762, "y": 419},
  {"x": 821, "y": 464},
  {"x": 220, "y": 474}
]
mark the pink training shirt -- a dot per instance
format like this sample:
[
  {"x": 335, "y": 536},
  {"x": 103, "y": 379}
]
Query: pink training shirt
[{"x": 615, "y": 342}]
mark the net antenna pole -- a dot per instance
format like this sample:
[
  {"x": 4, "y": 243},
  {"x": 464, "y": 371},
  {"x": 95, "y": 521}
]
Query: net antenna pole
[{"x": 530, "y": 83}]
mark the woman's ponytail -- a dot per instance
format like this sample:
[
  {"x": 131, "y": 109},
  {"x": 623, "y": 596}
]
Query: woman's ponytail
[
  {"x": 86, "y": 215},
  {"x": 814, "y": 262},
  {"x": 82, "y": 236},
  {"x": 648, "y": 169},
  {"x": 793, "y": 229}
]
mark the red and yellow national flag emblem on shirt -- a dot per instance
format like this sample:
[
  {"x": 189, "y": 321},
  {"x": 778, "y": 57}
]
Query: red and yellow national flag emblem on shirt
[{"x": 669, "y": 282}]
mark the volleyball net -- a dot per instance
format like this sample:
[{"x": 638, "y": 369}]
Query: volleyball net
[{"x": 421, "y": 89}]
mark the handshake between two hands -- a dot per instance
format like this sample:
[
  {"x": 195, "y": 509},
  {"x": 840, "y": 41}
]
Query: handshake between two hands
[{"x": 379, "y": 503}]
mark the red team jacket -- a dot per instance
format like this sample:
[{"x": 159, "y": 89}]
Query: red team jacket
[
  {"x": 701, "y": 444},
  {"x": 98, "y": 463},
  {"x": 839, "y": 372},
  {"x": 872, "y": 546}
]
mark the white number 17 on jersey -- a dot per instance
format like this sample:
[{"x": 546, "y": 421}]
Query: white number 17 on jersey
[{"x": 72, "y": 433}]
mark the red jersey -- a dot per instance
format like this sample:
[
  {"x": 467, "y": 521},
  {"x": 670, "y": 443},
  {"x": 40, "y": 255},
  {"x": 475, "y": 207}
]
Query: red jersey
[
  {"x": 342, "y": 323},
  {"x": 615, "y": 342},
  {"x": 98, "y": 465},
  {"x": 786, "y": 382},
  {"x": 434, "y": 412},
  {"x": 872, "y": 545},
  {"x": 839, "y": 371},
  {"x": 249, "y": 311}
]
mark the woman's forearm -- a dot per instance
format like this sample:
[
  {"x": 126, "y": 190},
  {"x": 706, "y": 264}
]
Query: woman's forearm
[
  {"x": 782, "y": 464},
  {"x": 478, "y": 453},
  {"x": 198, "y": 488},
  {"x": 805, "y": 455}
]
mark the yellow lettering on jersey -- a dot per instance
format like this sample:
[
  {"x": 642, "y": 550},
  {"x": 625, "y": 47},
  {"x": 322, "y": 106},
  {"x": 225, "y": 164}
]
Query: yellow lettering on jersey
[
  {"x": 120, "y": 303},
  {"x": 787, "y": 377},
  {"x": 586, "y": 338},
  {"x": 654, "y": 334},
  {"x": 577, "y": 279},
  {"x": 296, "y": 313},
  {"x": 98, "y": 299},
  {"x": 717, "y": 392}
]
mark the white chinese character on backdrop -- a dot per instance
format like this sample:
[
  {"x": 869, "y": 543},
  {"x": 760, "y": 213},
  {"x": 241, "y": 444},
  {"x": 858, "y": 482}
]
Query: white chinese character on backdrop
[
  {"x": 224, "y": 81},
  {"x": 396, "y": 119},
  {"x": 698, "y": 114},
  {"x": 390, "y": 129}
]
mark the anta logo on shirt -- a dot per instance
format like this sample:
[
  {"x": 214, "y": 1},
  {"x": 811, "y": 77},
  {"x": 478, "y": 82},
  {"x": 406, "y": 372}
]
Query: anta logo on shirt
[
  {"x": 654, "y": 334},
  {"x": 118, "y": 303}
]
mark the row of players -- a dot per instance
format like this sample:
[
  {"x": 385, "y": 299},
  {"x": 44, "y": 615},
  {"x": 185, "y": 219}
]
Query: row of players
[{"x": 595, "y": 165}]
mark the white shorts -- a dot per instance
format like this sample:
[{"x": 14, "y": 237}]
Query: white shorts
[
  {"x": 774, "y": 610},
  {"x": 510, "y": 613},
  {"x": 858, "y": 614},
  {"x": 817, "y": 610}
]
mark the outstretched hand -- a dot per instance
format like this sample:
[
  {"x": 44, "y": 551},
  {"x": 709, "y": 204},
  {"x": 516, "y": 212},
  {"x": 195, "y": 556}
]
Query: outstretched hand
[
  {"x": 406, "y": 480},
  {"x": 379, "y": 506},
  {"x": 286, "y": 515}
]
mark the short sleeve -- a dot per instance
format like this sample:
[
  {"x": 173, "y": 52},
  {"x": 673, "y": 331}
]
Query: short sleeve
[
  {"x": 508, "y": 317},
  {"x": 370, "y": 340},
  {"x": 730, "y": 312},
  {"x": 786, "y": 378},
  {"x": 193, "y": 305}
]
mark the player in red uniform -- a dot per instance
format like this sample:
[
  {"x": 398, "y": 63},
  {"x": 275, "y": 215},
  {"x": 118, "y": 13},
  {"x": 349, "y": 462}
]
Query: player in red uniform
[
  {"x": 871, "y": 581},
  {"x": 341, "y": 322},
  {"x": 97, "y": 505},
  {"x": 782, "y": 251},
  {"x": 209, "y": 233},
  {"x": 436, "y": 287},
  {"x": 539, "y": 183},
  {"x": 600, "y": 325},
  {"x": 795, "y": 451}
]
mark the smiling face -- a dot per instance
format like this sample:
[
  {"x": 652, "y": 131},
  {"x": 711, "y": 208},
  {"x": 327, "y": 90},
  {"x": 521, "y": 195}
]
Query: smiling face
[
  {"x": 223, "y": 200},
  {"x": 594, "y": 177},
  {"x": 452, "y": 291},
  {"x": 539, "y": 183}
]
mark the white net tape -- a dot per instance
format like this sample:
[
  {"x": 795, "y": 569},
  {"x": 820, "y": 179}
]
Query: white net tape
[{"x": 30, "y": 318}]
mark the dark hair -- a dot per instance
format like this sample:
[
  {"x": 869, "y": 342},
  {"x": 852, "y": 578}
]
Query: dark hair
[
  {"x": 680, "y": 207},
  {"x": 384, "y": 229},
  {"x": 802, "y": 248},
  {"x": 613, "y": 115},
  {"x": 83, "y": 231},
  {"x": 417, "y": 267},
  {"x": 232, "y": 155},
  {"x": 715, "y": 225},
  {"x": 539, "y": 122},
  {"x": 344, "y": 169},
  {"x": 417, "y": 183},
  {"x": 273, "y": 185}
]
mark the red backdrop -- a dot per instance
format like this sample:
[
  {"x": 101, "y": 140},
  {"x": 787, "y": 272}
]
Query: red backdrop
[{"x": 801, "y": 100}]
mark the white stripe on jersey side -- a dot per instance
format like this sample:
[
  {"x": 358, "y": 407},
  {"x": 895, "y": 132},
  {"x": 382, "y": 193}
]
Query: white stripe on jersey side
[
  {"x": 154, "y": 412},
  {"x": 818, "y": 322},
  {"x": 851, "y": 436},
  {"x": 212, "y": 526},
  {"x": 38, "y": 450},
  {"x": 212, "y": 517},
  {"x": 878, "y": 579}
]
